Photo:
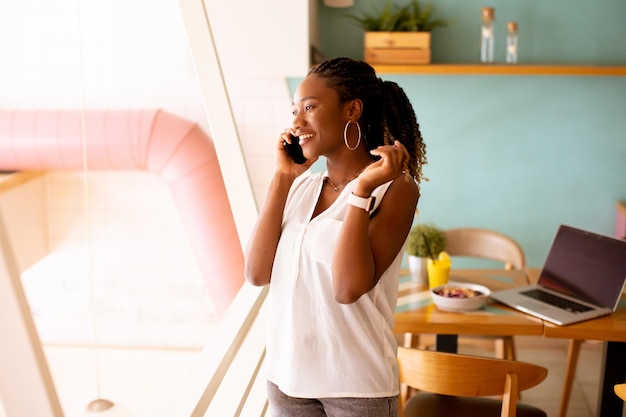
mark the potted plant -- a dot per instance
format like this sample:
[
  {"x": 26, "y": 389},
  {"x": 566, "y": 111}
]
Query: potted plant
[
  {"x": 425, "y": 241},
  {"x": 398, "y": 35}
]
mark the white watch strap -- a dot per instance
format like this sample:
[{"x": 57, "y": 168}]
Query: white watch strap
[{"x": 365, "y": 203}]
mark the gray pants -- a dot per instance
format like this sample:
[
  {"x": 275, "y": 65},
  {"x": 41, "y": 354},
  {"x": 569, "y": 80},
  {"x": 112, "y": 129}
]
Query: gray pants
[{"x": 282, "y": 405}]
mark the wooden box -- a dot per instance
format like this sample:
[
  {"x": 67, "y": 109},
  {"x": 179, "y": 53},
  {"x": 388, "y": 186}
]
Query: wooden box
[{"x": 397, "y": 48}]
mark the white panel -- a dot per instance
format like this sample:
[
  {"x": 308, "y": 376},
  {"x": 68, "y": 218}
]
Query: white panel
[
  {"x": 219, "y": 114},
  {"x": 261, "y": 37}
]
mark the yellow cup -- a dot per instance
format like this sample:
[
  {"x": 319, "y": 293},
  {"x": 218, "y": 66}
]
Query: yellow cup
[{"x": 438, "y": 272}]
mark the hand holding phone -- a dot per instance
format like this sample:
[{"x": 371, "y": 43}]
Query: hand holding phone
[{"x": 295, "y": 150}]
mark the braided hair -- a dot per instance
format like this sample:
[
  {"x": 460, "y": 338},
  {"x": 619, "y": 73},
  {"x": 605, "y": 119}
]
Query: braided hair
[{"x": 387, "y": 112}]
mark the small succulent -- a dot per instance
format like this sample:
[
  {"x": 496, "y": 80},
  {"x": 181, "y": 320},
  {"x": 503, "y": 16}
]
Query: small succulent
[{"x": 420, "y": 235}]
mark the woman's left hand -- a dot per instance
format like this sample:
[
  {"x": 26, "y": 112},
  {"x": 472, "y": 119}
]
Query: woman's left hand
[{"x": 392, "y": 163}]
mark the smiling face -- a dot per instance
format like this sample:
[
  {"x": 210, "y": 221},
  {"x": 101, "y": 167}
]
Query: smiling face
[{"x": 319, "y": 117}]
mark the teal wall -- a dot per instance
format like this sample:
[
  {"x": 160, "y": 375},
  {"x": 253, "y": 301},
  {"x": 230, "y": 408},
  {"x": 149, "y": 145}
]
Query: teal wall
[
  {"x": 519, "y": 154},
  {"x": 554, "y": 31}
]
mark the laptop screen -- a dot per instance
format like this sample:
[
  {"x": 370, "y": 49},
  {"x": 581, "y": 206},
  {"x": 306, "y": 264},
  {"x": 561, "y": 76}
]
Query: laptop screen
[{"x": 586, "y": 265}]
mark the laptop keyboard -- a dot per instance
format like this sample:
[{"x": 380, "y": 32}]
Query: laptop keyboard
[{"x": 557, "y": 301}]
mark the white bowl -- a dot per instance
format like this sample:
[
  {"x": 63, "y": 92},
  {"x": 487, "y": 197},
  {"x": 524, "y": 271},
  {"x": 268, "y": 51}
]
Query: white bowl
[{"x": 472, "y": 300}]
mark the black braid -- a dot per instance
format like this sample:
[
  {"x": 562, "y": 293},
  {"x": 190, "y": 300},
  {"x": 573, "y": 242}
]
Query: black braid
[{"x": 387, "y": 112}]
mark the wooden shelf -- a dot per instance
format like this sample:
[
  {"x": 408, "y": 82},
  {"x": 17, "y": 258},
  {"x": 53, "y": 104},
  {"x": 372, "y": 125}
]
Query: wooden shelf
[{"x": 502, "y": 69}]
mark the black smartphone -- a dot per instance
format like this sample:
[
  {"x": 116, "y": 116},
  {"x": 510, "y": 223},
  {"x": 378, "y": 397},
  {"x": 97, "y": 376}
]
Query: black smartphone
[{"x": 295, "y": 150}]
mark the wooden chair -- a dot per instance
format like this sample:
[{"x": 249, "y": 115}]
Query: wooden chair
[
  {"x": 487, "y": 244},
  {"x": 620, "y": 390},
  {"x": 456, "y": 385}
]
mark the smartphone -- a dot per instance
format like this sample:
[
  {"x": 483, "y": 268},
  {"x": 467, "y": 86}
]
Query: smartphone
[{"x": 295, "y": 150}]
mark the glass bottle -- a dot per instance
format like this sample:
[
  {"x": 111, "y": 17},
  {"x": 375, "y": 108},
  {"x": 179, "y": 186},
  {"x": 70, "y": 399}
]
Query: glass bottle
[
  {"x": 487, "y": 35},
  {"x": 511, "y": 42}
]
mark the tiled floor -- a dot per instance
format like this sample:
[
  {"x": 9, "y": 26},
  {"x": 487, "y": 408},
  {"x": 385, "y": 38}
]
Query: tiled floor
[
  {"x": 146, "y": 380},
  {"x": 585, "y": 391}
]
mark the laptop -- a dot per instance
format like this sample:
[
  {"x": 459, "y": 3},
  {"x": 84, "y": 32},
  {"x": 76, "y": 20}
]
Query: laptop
[{"x": 582, "y": 278}]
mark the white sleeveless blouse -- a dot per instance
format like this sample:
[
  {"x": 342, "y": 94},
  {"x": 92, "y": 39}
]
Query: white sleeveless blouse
[{"x": 317, "y": 347}]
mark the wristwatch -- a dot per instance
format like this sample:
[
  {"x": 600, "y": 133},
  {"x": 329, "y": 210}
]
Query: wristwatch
[{"x": 365, "y": 203}]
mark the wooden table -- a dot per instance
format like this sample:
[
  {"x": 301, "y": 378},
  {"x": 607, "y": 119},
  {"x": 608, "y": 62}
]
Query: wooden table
[
  {"x": 611, "y": 329},
  {"x": 416, "y": 313}
]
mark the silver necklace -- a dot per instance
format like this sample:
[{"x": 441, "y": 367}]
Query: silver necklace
[{"x": 337, "y": 187}]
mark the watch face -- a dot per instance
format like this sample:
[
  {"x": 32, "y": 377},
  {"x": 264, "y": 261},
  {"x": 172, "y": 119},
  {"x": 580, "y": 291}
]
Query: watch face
[{"x": 371, "y": 202}]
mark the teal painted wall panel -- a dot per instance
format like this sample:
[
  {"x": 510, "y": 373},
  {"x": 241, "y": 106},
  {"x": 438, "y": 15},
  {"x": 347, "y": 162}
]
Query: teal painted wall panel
[
  {"x": 522, "y": 154},
  {"x": 554, "y": 31}
]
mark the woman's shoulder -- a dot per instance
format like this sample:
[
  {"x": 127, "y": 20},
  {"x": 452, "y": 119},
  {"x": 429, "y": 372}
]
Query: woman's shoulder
[
  {"x": 405, "y": 182},
  {"x": 402, "y": 184},
  {"x": 402, "y": 190}
]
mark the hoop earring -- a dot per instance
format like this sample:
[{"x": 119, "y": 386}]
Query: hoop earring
[{"x": 345, "y": 135}]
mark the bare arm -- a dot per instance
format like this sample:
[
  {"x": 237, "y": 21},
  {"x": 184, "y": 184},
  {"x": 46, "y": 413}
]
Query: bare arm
[
  {"x": 367, "y": 246},
  {"x": 266, "y": 233},
  {"x": 261, "y": 249}
]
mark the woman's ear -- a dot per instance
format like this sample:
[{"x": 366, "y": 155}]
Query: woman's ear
[{"x": 355, "y": 109}]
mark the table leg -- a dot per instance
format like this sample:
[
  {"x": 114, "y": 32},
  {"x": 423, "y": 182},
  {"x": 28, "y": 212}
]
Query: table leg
[
  {"x": 570, "y": 373},
  {"x": 614, "y": 372},
  {"x": 447, "y": 343}
]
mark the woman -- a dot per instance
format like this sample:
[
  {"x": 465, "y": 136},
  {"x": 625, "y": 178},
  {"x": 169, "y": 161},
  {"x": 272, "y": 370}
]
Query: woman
[{"x": 330, "y": 244}]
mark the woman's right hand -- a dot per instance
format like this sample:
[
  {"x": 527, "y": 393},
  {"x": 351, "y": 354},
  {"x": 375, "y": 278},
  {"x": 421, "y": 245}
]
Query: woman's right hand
[{"x": 284, "y": 162}]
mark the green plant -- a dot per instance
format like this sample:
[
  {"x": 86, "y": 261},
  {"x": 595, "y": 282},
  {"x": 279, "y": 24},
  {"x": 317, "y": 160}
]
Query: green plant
[
  {"x": 422, "y": 233},
  {"x": 410, "y": 18}
]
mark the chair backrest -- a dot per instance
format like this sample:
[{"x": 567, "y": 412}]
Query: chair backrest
[
  {"x": 485, "y": 244},
  {"x": 465, "y": 375},
  {"x": 620, "y": 390}
]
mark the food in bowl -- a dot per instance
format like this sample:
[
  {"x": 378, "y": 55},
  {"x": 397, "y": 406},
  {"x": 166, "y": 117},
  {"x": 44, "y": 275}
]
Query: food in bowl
[
  {"x": 452, "y": 291},
  {"x": 460, "y": 296}
]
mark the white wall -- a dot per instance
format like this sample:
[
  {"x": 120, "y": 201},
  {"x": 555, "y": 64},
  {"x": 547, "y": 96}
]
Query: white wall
[{"x": 262, "y": 38}]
